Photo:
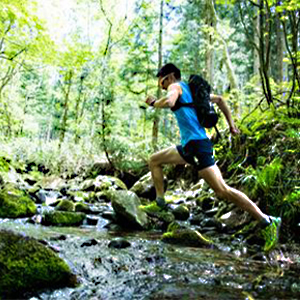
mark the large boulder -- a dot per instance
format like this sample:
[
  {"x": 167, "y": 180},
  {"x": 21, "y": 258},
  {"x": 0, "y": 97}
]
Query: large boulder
[
  {"x": 27, "y": 266},
  {"x": 15, "y": 204},
  {"x": 126, "y": 205},
  {"x": 63, "y": 218}
]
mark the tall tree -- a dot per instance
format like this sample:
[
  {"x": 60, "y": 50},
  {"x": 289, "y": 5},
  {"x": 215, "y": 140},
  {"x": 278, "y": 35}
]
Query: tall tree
[{"x": 160, "y": 45}]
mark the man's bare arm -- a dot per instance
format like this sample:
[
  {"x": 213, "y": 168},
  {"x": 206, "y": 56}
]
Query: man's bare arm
[
  {"x": 226, "y": 111},
  {"x": 167, "y": 101}
]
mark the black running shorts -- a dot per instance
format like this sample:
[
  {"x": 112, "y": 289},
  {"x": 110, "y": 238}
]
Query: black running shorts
[{"x": 198, "y": 153}]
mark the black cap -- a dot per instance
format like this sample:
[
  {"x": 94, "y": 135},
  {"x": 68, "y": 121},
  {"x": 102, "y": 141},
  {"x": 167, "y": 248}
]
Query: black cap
[{"x": 168, "y": 69}]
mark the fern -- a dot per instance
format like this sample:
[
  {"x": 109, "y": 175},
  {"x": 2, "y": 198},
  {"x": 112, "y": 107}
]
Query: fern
[{"x": 266, "y": 177}]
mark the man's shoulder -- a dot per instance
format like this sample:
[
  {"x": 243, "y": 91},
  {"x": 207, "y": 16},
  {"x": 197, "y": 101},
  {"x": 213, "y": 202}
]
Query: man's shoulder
[{"x": 175, "y": 86}]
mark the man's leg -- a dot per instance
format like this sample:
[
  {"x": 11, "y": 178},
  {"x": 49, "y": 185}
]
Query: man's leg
[
  {"x": 271, "y": 225},
  {"x": 157, "y": 160},
  {"x": 213, "y": 177}
]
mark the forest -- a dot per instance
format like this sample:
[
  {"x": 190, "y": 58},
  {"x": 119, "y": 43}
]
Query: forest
[{"x": 76, "y": 137}]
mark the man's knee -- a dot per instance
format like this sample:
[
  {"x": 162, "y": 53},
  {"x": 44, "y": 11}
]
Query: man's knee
[
  {"x": 222, "y": 191},
  {"x": 154, "y": 161}
]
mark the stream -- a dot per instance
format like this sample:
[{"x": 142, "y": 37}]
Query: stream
[{"x": 150, "y": 269}]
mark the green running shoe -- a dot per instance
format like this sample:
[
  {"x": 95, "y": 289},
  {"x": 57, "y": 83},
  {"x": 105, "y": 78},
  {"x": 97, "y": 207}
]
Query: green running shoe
[
  {"x": 160, "y": 202},
  {"x": 271, "y": 233}
]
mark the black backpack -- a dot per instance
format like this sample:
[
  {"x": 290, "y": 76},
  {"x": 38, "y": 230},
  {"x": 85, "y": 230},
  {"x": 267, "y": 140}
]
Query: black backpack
[{"x": 200, "y": 90}]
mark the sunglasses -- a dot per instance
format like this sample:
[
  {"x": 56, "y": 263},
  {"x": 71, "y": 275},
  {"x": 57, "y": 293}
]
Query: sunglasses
[{"x": 161, "y": 82}]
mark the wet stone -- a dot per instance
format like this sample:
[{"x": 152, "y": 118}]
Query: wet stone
[
  {"x": 211, "y": 212},
  {"x": 92, "y": 220},
  {"x": 207, "y": 203},
  {"x": 108, "y": 215},
  {"x": 209, "y": 222},
  {"x": 61, "y": 237},
  {"x": 181, "y": 213},
  {"x": 197, "y": 219},
  {"x": 119, "y": 243},
  {"x": 89, "y": 243}
]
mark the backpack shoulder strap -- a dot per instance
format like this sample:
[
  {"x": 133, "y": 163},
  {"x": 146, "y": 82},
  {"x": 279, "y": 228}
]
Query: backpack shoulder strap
[{"x": 179, "y": 104}]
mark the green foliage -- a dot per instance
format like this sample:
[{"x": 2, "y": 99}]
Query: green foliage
[
  {"x": 266, "y": 177},
  {"x": 294, "y": 196},
  {"x": 128, "y": 156},
  {"x": 290, "y": 207},
  {"x": 4, "y": 165}
]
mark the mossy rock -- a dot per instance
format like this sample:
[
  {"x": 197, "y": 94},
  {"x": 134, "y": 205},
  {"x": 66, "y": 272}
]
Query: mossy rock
[
  {"x": 28, "y": 266},
  {"x": 65, "y": 205},
  {"x": 205, "y": 202},
  {"x": 174, "y": 226},
  {"x": 186, "y": 237},
  {"x": 181, "y": 213},
  {"x": 103, "y": 182},
  {"x": 150, "y": 208},
  {"x": 160, "y": 219},
  {"x": 82, "y": 207},
  {"x": 15, "y": 204},
  {"x": 63, "y": 218},
  {"x": 78, "y": 195}
]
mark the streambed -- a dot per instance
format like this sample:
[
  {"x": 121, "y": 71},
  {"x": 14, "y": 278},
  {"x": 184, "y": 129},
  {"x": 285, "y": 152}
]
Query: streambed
[{"x": 150, "y": 269}]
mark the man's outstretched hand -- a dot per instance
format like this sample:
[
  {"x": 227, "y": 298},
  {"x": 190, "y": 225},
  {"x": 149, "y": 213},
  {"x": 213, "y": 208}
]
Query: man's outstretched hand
[
  {"x": 150, "y": 100},
  {"x": 234, "y": 130}
]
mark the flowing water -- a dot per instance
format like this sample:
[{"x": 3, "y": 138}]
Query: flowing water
[{"x": 152, "y": 270}]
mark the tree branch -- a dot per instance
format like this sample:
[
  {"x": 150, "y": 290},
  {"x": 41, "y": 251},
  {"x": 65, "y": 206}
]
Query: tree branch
[
  {"x": 5, "y": 33},
  {"x": 253, "y": 3},
  {"x": 109, "y": 30}
]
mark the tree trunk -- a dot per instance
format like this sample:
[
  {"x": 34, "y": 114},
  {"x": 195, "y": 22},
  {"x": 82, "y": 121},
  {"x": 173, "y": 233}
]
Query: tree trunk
[
  {"x": 77, "y": 113},
  {"x": 279, "y": 49},
  {"x": 264, "y": 50},
  {"x": 256, "y": 27},
  {"x": 64, "y": 119},
  {"x": 160, "y": 42},
  {"x": 210, "y": 22}
]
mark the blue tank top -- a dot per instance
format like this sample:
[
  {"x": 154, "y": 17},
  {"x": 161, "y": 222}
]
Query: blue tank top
[{"x": 189, "y": 126}]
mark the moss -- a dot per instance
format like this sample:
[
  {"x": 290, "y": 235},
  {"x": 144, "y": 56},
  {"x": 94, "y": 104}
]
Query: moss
[
  {"x": 65, "y": 205},
  {"x": 120, "y": 184},
  {"x": 151, "y": 208},
  {"x": 82, "y": 207},
  {"x": 173, "y": 226},
  {"x": 14, "y": 204},
  {"x": 27, "y": 266},
  {"x": 181, "y": 213},
  {"x": 186, "y": 237},
  {"x": 63, "y": 218},
  {"x": 166, "y": 216}
]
